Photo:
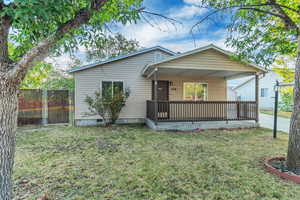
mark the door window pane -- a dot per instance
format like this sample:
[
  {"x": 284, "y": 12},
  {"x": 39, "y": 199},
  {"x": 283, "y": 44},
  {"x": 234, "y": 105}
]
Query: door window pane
[
  {"x": 189, "y": 91},
  {"x": 200, "y": 90}
]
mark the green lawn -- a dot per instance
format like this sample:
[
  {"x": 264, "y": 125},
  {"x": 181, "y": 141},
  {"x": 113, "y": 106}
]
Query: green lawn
[
  {"x": 138, "y": 163},
  {"x": 280, "y": 113}
]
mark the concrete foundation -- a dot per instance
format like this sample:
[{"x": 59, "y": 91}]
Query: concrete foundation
[
  {"x": 97, "y": 122},
  {"x": 189, "y": 126},
  {"x": 178, "y": 126}
]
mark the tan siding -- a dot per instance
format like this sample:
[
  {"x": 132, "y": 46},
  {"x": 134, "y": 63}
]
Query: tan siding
[
  {"x": 217, "y": 87},
  {"x": 127, "y": 70},
  {"x": 208, "y": 59}
]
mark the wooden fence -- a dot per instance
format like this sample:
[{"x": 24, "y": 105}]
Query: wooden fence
[
  {"x": 45, "y": 107},
  {"x": 168, "y": 111}
]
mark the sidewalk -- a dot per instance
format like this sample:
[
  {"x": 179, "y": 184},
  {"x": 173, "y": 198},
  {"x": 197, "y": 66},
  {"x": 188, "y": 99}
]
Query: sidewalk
[{"x": 267, "y": 121}]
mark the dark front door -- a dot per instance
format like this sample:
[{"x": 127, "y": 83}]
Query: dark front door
[
  {"x": 162, "y": 95},
  {"x": 162, "y": 90}
]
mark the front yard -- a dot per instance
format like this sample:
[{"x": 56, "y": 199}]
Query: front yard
[{"x": 138, "y": 163}]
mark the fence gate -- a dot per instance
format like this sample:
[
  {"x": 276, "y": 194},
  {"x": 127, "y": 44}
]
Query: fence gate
[
  {"x": 30, "y": 107},
  {"x": 58, "y": 106}
]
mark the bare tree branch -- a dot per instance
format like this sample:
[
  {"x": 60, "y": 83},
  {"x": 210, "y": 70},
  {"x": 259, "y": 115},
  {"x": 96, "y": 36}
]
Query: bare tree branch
[
  {"x": 43, "y": 47},
  {"x": 162, "y": 16},
  {"x": 263, "y": 11},
  {"x": 151, "y": 19},
  {"x": 289, "y": 23},
  {"x": 289, "y": 8}
]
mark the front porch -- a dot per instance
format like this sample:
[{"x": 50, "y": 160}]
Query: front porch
[
  {"x": 190, "y": 92},
  {"x": 188, "y": 115},
  {"x": 192, "y": 111}
]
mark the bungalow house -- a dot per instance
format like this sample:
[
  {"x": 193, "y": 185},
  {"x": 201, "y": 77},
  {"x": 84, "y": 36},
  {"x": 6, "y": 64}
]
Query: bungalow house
[{"x": 169, "y": 90}]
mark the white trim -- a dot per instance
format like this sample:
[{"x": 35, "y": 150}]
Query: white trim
[
  {"x": 153, "y": 71},
  {"x": 203, "y": 83}
]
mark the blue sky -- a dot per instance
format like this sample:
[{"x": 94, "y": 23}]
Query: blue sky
[{"x": 177, "y": 38}]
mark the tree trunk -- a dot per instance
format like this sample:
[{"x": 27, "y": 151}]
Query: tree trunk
[
  {"x": 8, "y": 126},
  {"x": 293, "y": 156}
]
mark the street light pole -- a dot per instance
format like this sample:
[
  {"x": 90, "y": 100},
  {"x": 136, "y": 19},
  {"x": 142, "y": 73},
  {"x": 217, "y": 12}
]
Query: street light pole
[{"x": 275, "y": 110}]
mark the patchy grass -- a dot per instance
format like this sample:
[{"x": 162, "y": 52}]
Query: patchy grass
[
  {"x": 280, "y": 113},
  {"x": 138, "y": 163}
]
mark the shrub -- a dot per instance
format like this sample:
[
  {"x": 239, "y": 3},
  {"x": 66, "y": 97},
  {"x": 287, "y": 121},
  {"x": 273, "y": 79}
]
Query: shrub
[
  {"x": 286, "y": 100},
  {"x": 108, "y": 107}
]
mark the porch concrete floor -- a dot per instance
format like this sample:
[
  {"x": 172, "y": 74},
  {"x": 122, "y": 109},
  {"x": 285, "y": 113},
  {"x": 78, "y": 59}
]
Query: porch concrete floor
[{"x": 188, "y": 126}]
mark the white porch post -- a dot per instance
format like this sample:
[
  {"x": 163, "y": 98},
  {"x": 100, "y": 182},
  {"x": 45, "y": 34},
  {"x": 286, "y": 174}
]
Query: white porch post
[
  {"x": 155, "y": 96},
  {"x": 257, "y": 97}
]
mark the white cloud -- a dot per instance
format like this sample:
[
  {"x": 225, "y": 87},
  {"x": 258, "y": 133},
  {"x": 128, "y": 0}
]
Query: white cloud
[
  {"x": 187, "y": 12},
  {"x": 194, "y": 2},
  {"x": 149, "y": 35}
]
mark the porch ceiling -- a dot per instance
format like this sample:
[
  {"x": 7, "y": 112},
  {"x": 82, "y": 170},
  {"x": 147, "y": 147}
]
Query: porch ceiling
[{"x": 199, "y": 72}]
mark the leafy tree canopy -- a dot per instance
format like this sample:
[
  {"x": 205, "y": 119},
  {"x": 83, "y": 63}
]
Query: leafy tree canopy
[
  {"x": 109, "y": 46},
  {"x": 283, "y": 70},
  {"x": 260, "y": 30},
  {"x": 37, "y": 76},
  {"x": 57, "y": 80},
  {"x": 35, "y": 20}
]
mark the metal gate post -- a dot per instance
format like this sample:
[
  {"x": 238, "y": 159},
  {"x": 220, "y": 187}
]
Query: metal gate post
[
  {"x": 44, "y": 107},
  {"x": 71, "y": 108},
  {"x": 275, "y": 110}
]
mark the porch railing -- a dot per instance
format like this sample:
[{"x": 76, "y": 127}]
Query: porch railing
[{"x": 172, "y": 111}]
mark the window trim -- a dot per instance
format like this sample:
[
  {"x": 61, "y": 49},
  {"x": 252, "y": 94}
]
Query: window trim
[
  {"x": 203, "y": 83},
  {"x": 111, "y": 80}
]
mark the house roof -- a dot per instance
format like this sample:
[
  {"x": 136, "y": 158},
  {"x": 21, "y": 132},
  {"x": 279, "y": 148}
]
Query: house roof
[
  {"x": 211, "y": 46},
  {"x": 252, "y": 78},
  {"x": 243, "y": 83},
  {"x": 142, "y": 51}
]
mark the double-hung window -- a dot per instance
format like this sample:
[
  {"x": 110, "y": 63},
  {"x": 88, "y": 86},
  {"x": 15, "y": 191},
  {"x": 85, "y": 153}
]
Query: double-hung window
[
  {"x": 109, "y": 88},
  {"x": 194, "y": 91}
]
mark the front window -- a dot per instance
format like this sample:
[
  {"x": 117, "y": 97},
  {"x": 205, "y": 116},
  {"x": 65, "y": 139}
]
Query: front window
[
  {"x": 264, "y": 92},
  {"x": 109, "y": 88},
  {"x": 194, "y": 91}
]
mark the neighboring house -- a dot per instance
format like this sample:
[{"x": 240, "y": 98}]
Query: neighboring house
[
  {"x": 190, "y": 87},
  {"x": 245, "y": 91},
  {"x": 231, "y": 94}
]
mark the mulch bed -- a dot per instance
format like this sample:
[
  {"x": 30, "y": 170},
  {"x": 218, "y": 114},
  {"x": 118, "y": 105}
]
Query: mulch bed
[{"x": 277, "y": 166}]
